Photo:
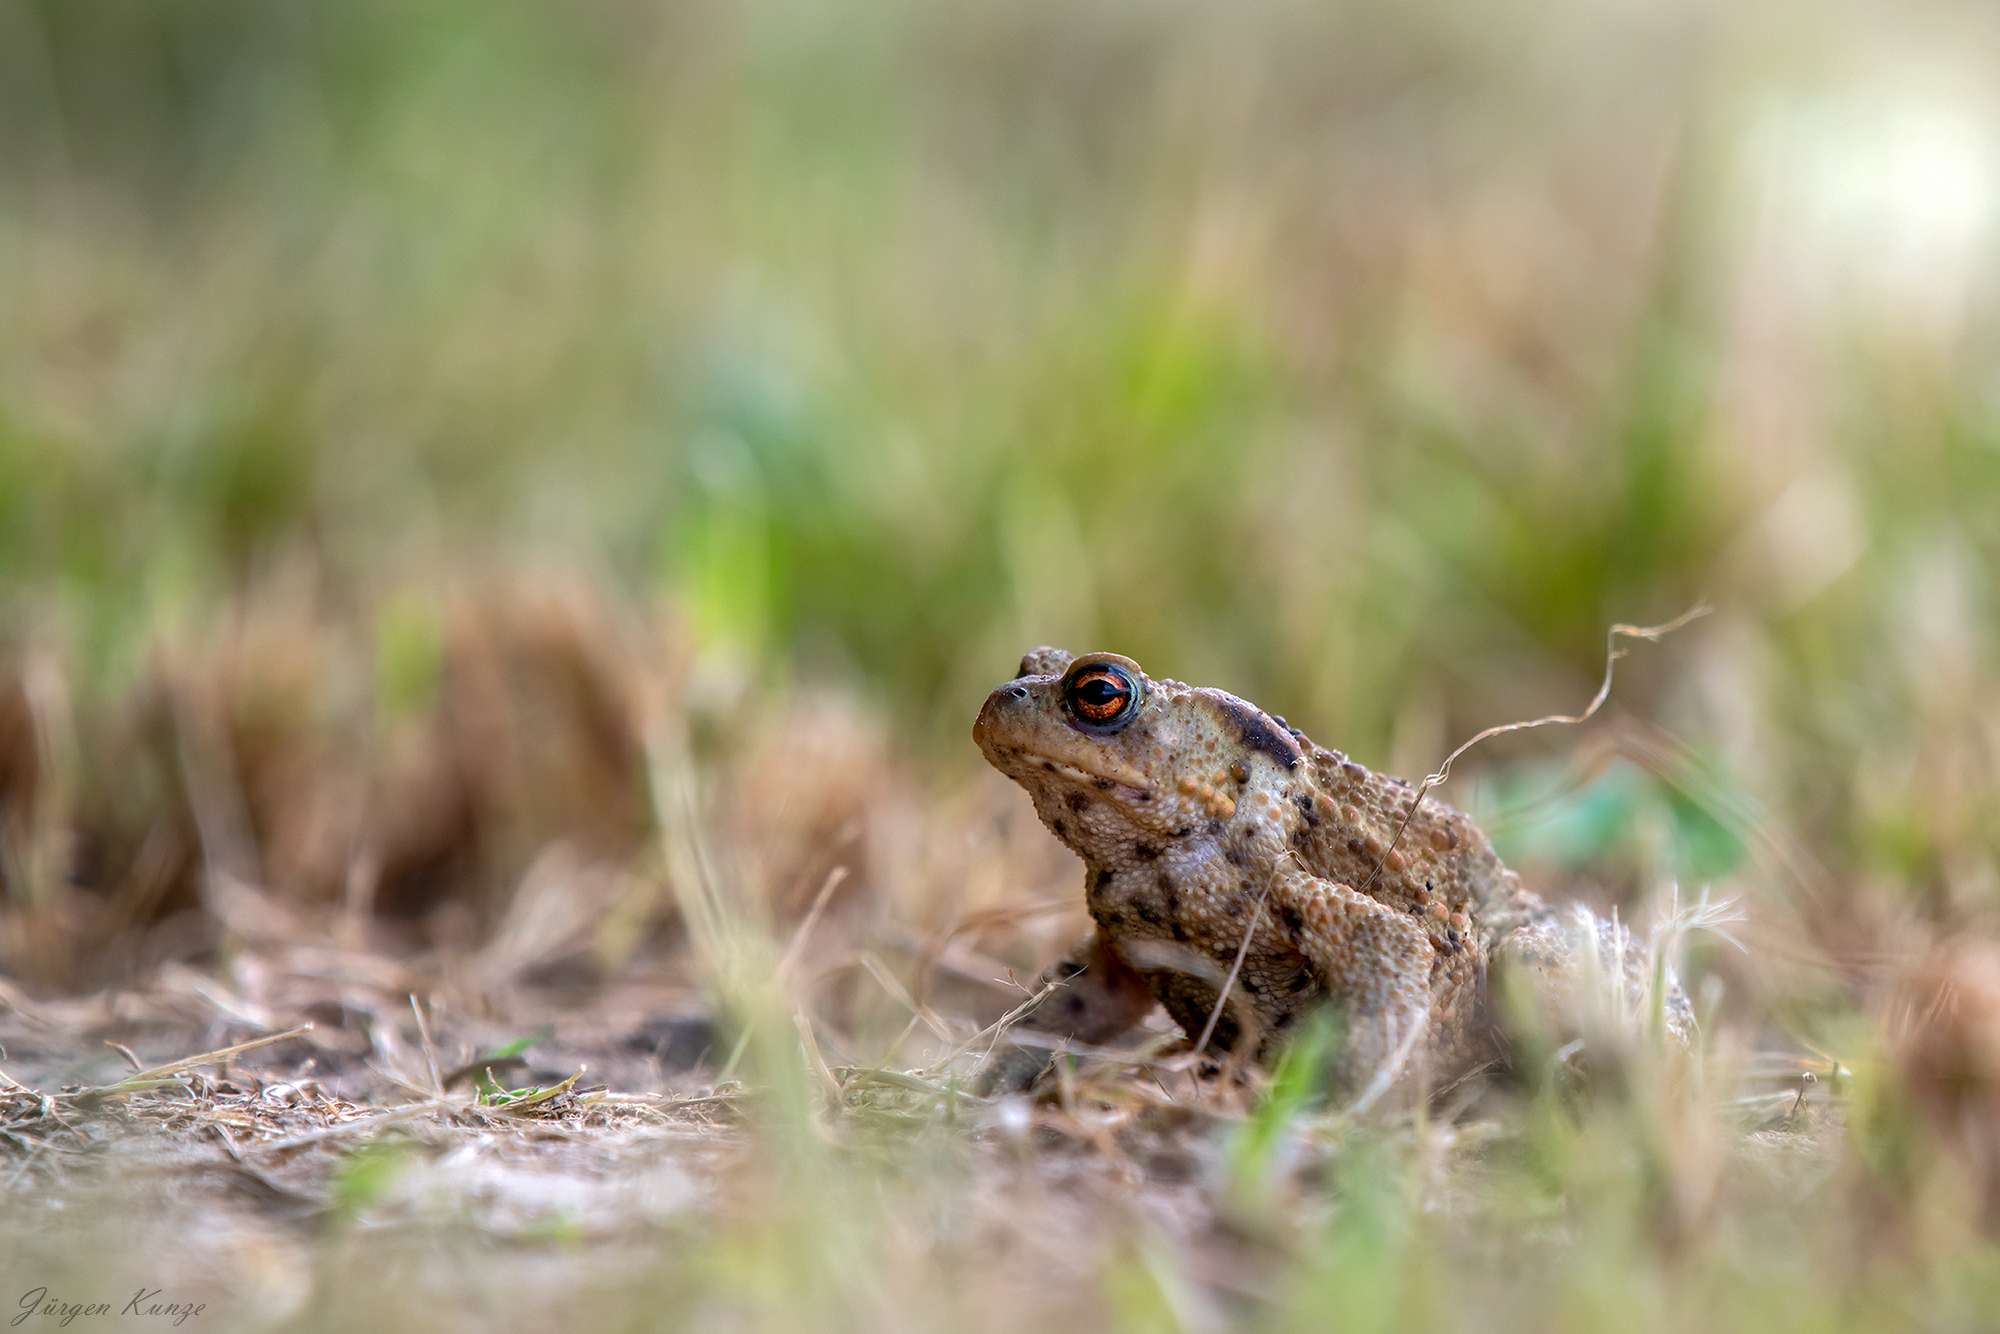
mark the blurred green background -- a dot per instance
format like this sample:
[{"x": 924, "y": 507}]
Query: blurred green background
[
  {"x": 1366, "y": 359},
  {"x": 449, "y": 448}
]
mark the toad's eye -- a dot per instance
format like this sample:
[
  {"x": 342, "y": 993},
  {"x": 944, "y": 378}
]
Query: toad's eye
[{"x": 1103, "y": 692}]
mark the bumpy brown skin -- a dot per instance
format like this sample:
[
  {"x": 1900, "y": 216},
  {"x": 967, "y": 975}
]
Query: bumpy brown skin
[{"x": 1200, "y": 813}]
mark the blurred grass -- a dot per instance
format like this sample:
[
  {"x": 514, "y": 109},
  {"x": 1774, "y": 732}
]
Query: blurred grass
[
  {"x": 1354, "y": 358},
  {"x": 887, "y": 339},
  {"x": 431, "y": 431}
]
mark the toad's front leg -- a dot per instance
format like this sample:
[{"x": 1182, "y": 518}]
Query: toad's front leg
[{"x": 1375, "y": 964}]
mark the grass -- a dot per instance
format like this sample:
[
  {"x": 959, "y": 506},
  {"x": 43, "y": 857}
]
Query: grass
[{"x": 517, "y": 504}]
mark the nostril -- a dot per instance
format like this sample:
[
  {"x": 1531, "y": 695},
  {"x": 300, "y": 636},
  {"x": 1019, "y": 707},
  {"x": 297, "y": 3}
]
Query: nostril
[{"x": 1019, "y": 692}]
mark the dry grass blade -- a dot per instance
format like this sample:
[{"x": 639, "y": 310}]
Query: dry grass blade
[
  {"x": 1125, "y": 1058},
  {"x": 1612, "y": 653},
  {"x": 998, "y": 1028},
  {"x": 1222, "y": 996},
  {"x": 1167, "y": 954},
  {"x": 430, "y": 1048},
  {"x": 661, "y": 1101},
  {"x": 941, "y": 949},
  {"x": 809, "y": 1042},
  {"x": 517, "y": 1101},
  {"x": 811, "y": 919},
  {"x": 887, "y": 980},
  {"x": 862, "y": 1077},
  {"x": 159, "y": 1074}
]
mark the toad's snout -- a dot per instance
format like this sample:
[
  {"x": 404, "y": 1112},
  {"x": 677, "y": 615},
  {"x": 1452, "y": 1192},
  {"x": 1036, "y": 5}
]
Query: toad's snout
[{"x": 1003, "y": 715}]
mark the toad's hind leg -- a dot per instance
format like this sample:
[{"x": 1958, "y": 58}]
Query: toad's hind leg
[
  {"x": 1098, "y": 997},
  {"x": 1376, "y": 966}
]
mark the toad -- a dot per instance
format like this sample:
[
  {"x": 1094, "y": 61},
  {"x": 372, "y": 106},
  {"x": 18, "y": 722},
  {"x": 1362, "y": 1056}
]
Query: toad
[{"x": 1226, "y": 854}]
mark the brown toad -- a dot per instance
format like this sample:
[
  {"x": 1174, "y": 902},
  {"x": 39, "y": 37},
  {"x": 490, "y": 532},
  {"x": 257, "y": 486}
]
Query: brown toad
[{"x": 1201, "y": 819}]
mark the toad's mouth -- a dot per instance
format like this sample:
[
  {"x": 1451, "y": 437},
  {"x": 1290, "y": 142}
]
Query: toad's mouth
[{"x": 1124, "y": 786}]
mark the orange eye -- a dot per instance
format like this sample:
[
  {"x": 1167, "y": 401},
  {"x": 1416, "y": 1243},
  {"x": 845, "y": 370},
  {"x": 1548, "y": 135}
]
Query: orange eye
[{"x": 1102, "y": 693}]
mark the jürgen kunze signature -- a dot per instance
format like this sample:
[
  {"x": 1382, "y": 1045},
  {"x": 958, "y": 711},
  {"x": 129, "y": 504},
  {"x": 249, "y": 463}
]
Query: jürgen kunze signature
[{"x": 40, "y": 1301}]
